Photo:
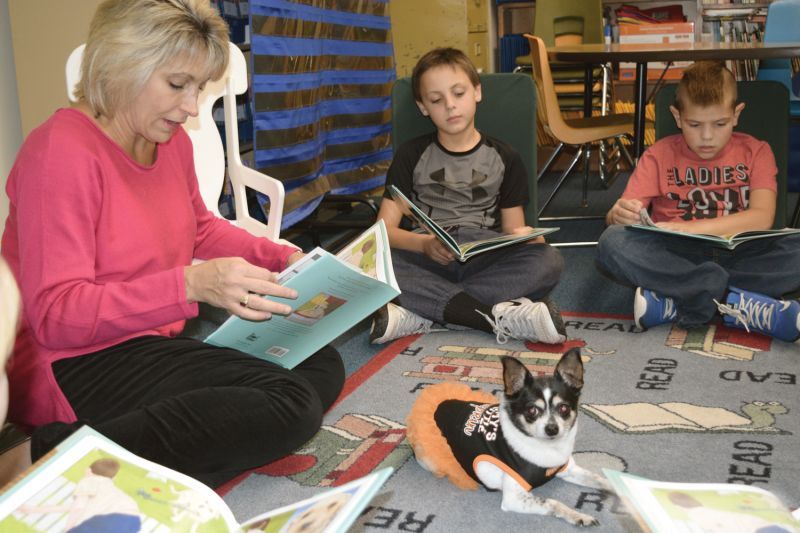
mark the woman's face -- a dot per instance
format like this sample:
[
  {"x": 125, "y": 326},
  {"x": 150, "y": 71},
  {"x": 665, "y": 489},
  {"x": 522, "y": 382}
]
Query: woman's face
[{"x": 168, "y": 98}]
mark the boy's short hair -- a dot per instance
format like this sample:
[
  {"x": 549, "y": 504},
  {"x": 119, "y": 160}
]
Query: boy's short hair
[
  {"x": 437, "y": 58},
  {"x": 706, "y": 83},
  {"x": 105, "y": 467}
]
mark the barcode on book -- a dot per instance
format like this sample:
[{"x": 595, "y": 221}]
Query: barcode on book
[{"x": 277, "y": 351}]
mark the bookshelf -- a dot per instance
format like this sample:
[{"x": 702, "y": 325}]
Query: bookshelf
[{"x": 738, "y": 21}]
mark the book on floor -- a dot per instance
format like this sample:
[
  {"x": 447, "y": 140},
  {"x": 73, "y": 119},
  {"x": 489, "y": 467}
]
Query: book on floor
[
  {"x": 88, "y": 480},
  {"x": 463, "y": 251},
  {"x": 661, "y": 506},
  {"x": 334, "y": 293},
  {"x": 730, "y": 241}
]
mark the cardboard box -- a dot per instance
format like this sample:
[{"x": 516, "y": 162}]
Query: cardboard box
[{"x": 674, "y": 32}]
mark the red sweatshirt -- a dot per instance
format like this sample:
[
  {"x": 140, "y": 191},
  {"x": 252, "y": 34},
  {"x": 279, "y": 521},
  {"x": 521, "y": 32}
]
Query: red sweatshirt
[{"x": 98, "y": 244}]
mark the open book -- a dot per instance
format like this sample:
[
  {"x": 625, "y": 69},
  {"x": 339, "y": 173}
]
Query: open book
[
  {"x": 468, "y": 249},
  {"x": 89, "y": 467},
  {"x": 334, "y": 293},
  {"x": 730, "y": 242},
  {"x": 661, "y": 506}
]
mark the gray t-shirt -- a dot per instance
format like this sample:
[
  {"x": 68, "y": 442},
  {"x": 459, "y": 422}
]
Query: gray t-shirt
[{"x": 460, "y": 188}]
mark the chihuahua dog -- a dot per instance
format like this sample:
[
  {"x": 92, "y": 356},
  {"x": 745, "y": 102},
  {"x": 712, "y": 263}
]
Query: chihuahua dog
[{"x": 514, "y": 446}]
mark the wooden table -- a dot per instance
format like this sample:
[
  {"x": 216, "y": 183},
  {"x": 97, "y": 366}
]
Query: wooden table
[{"x": 642, "y": 53}]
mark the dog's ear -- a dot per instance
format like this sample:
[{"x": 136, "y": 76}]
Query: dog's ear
[
  {"x": 515, "y": 375},
  {"x": 570, "y": 369}
]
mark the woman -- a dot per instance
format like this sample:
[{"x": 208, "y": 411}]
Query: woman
[{"x": 105, "y": 218}]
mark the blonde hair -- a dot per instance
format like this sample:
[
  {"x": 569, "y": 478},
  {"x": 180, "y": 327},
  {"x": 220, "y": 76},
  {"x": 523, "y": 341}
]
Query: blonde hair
[
  {"x": 704, "y": 84},
  {"x": 9, "y": 311},
  {"x": 129, "y": 39}
]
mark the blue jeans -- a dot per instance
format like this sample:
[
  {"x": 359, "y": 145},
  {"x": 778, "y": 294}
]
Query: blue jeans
[{"x": 693, "y": 274}]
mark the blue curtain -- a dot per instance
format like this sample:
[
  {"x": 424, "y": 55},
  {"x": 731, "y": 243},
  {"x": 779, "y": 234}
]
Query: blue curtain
[{"x": 322, "y": 77}]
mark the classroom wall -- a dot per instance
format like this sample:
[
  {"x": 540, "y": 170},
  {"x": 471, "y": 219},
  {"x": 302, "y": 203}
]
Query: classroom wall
[
  {"x": 44, "y": 32},
  {"x": 420, "y": 25},
  {"x": 10, "y": 127}
]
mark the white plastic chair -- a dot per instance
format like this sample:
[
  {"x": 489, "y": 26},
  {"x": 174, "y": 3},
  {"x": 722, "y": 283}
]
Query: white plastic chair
[{"x": 209, "y": 154}]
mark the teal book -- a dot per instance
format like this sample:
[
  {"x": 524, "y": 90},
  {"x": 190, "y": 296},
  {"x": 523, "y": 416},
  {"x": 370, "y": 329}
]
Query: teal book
[
  {"x": 334, "y": 293},
  {"x": 462, "y": 251},
  {"x": 729, "y": 241},
  {"x": 666, "y": 507},
  {"x": 87, "y": 467}
]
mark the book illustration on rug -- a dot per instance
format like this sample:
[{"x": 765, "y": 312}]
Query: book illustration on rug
[
  {"x": 661, "y": 506},
  {"x": 89, "y": 480},
  {"x": 464, "y": 251},
  {"x": 335, "y": 292},
  {"x": 730, "y": 242}
]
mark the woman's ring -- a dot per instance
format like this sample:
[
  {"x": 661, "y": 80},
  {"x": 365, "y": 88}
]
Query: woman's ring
[{"x": 244, "y": 300}]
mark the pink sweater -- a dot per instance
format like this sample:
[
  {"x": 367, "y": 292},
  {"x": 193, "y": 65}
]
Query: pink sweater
[{"x": 98, "y": 244}]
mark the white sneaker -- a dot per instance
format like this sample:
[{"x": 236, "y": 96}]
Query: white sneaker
[
  {"x": 392, "y": 322},
  {"x": 525, "y": 320}
]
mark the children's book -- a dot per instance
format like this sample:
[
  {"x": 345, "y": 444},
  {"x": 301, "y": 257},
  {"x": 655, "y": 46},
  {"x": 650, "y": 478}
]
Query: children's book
[
  {"x": 334, "y": 293},
  {"x": 667, "y": 507},
  {"x": 730, "y": 241},
  {"x": 465, "y": 250},
  {"x": 91, "y": 481}
]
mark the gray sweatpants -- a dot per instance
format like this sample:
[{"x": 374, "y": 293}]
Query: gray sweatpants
[{"x": 530, "y": 270}]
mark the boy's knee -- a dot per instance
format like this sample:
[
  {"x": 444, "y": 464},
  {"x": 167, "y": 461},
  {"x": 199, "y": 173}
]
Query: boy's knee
[
  {"x": 611, "y": 241},
  {"x": 552, "y": 264}
]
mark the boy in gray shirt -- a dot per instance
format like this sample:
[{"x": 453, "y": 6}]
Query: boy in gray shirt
[{"x": 474, "y": 186}]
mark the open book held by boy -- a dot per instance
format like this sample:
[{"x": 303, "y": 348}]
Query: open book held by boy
[
  {"x": 706, "y": 180},
  {"x": 475, "y": 186}
]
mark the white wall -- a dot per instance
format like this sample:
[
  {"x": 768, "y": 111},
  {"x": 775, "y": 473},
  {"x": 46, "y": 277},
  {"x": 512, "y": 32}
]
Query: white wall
[{"x": 10, "y": 124}]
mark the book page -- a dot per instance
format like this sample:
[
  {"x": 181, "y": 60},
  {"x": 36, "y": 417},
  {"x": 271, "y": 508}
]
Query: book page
[
  {"x": 687, "y": 507},
  {"x": 332, "y": 511},
  {"x": 90, "y": 476},
  {"x": 471, "y": 248},
  {"x": 413, "y": 212},
  {"x": 370, "y": 254}
]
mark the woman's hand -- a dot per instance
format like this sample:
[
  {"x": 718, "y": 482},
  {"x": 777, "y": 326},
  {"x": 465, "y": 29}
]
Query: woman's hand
[
  {"x": 436, "y": 250},
  {"x": 235, "y": 285},
  {"x": 295, "y": 257},
  {"x": 625, "y": 212}
]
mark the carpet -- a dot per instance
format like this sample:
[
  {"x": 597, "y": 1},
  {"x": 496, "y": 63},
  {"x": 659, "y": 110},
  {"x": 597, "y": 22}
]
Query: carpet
[{"x": 707, "y": 405}]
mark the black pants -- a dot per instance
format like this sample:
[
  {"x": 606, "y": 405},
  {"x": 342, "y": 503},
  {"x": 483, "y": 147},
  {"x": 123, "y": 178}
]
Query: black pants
[{"x": 211, "y": 413}]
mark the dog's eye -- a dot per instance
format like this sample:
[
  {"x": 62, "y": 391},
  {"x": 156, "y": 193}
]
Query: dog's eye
[
  {"x": 533, "y": 411},
  {"x": 564, "y": 410}
]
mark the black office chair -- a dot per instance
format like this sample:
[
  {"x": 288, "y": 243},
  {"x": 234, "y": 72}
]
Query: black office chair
[
  {"x": 506, "y": 112},
  {"x": 765, "y": 117}
]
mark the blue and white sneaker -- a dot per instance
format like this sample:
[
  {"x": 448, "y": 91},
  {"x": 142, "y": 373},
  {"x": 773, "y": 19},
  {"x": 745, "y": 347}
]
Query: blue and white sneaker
[
  {"x": 757, "y": 312},
  {"x": 650, "y": 309}
]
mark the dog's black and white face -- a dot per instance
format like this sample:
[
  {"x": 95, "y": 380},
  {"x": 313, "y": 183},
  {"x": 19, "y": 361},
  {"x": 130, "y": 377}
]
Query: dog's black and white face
[{"x": 543, "y": 407}]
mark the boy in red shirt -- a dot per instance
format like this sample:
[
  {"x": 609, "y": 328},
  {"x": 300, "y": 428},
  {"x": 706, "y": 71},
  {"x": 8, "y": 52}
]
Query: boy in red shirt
[{"x": 707, "y": 179}]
